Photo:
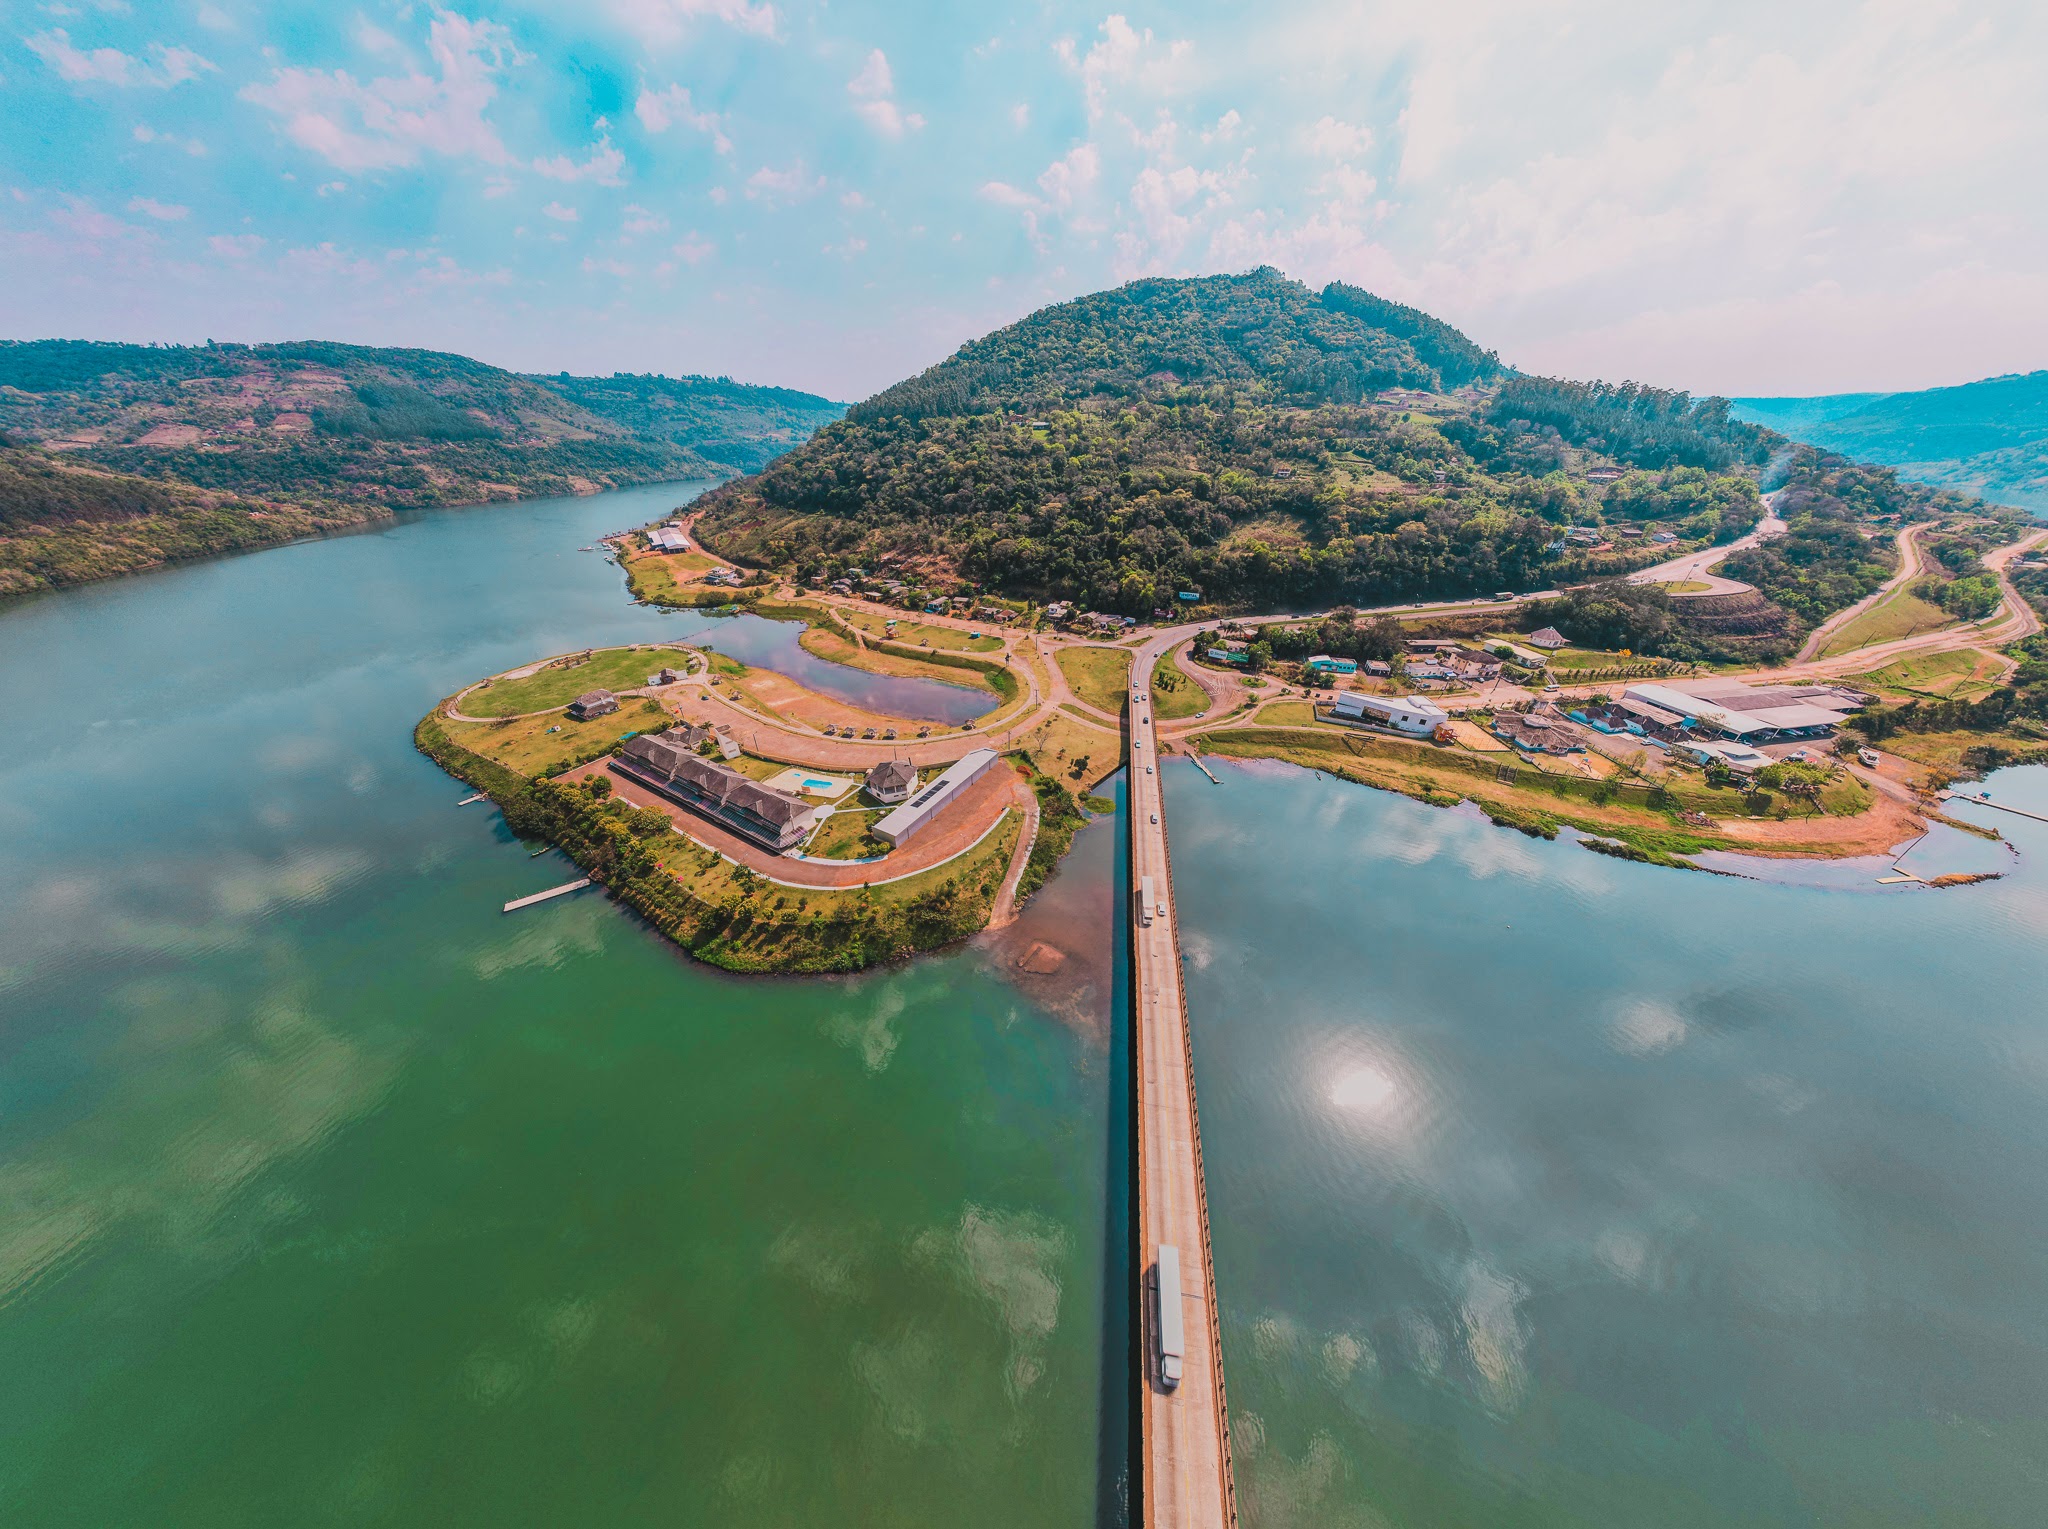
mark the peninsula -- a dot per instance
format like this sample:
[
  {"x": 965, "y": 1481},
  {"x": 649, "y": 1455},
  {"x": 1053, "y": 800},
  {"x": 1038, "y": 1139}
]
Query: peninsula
[{"x": 1605, "y": 610}]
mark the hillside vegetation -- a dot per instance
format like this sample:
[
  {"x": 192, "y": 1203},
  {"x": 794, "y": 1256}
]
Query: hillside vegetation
[
  {"x": 313, "y": 433},
  {"x": 1986, "y": 438},
  {"x": 1244, "y": 438}
]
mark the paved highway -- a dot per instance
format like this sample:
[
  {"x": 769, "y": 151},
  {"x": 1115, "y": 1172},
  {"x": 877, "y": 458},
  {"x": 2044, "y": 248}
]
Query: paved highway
[{"x": 1184, "y": 1450}]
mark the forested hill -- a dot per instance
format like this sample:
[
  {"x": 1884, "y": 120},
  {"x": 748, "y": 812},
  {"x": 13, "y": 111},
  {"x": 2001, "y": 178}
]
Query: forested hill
[
  {"x": 315, "y": 433},
  {"x": 1249, "y": 439},
  {"x": 1986, "y": 438},
  {"x": 1258, "y": 332}
]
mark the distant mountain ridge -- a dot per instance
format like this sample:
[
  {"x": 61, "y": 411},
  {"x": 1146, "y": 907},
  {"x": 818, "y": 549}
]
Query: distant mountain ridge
[
  {"x": 310, "y": 434},
  {"x": 1987, "y": 438}
]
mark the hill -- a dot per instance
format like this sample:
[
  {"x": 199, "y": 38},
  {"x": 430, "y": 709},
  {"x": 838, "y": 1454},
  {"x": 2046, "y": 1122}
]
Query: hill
[
  {"x": 1247, "y": 438},
  {"x": 65, "y": 521},
  {"x": 1986, "y": 438},
  {"x": 320, "y": 433}
]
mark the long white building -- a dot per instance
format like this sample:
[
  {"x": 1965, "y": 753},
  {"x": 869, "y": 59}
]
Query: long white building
[
  {"x": 1403, "y": 713},
  {"x": 896, "y": 827}
]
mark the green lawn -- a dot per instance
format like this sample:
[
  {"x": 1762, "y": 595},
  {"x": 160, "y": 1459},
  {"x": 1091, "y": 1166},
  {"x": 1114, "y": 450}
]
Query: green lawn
[
  {"x": 1899, "y": 614},
  {"x": 846, "y": 835},
  {"x": 607, "y": 669},
  {"x": 920, "y": 634},
  {"x": 1173, "y": 693},
  {"x": 1099, "y": 676}
]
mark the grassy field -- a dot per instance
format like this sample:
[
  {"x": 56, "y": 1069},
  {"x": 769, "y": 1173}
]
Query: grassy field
[
  {"x": 526, "y": 744},
  {"x": 607, "y": 669},
  {"x": 920, "y": 634},
  {"x": 1286, "y": 714},
  {"x": 823, "y": 642},
  {"x": 1079, "y": 754},
  {"x": 659, "y": 581},
  {"x": 1899, "y": 614},
  {"x": 1437, "y": 777},
  {"x": 846, "y": 835},
  {"x": 1958, "y": 673},
  {"x": 1099, "y": 676},
  {"x": 1173, "y": 693},
  {"x": 1952, "y": 753}
]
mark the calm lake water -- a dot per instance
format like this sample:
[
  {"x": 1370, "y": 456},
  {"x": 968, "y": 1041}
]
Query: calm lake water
[
  {"x": 1552, "y": 1190},
  {"x": 330, "y": 1194},
  {"x": 1549, "y": 1190}
]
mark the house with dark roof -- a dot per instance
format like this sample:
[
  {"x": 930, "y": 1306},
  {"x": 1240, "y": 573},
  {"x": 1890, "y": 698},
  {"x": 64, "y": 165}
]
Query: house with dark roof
[
  {"x": 593, "y": 703},
  {"x": 723, "y": 795},
  {"x": 1550, "y": 639},
  {"x": 892, "y": 780}
]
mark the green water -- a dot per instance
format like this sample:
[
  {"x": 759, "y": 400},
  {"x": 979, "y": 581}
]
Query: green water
[
  {"x": 1552, "y": 1190},
  {"x": 1548, "y": 1190},
  {"x": 330, "y": 1194}
]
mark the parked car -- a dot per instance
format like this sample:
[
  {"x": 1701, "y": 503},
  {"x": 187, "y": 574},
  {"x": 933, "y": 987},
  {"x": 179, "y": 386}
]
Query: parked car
[{"x": 1868, "y": 758}]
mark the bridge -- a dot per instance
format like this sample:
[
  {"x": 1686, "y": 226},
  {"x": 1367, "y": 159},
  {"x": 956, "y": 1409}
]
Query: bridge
[{"x": 1183, "y": 1453}]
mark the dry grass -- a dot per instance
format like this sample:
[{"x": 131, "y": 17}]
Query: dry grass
[
  {"x": 1899, "y": 614},
  {"x": 1099, "y": 676}
]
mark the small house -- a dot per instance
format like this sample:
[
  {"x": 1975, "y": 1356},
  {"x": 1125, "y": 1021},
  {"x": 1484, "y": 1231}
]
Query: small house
[
  {"x": 663, "y": 677},
  {"x": 1411, "y": 714},
  {"x": 1550, "y": 639},
  {"x": 593, "y": 703},
  {"x": 892, "y": 781},
  {"x": 1322, "y": 663},
  {"x": 1378, "y": 667}
]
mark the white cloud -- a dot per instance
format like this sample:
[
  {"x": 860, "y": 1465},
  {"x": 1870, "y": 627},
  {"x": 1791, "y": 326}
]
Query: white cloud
[
  {"x": 1020, "y": 115},
  {"x": 1123, "y": 60},
  {"x": 602, "y": 265},
  {"x": 1225, "y": 128},
  {"x": 793, "y": 184},
  {"x": 665, "y": 22},
  {"x": 846, "y": 251},
  {"x": 390, "y": 122},
  {"x": 603, "y": 166},
  {"x": 144, "y": 133},
  {"x": 693, "y": 249},
  {"x": 872, "y": 90},
  {"x": 1072, "y": 176},
  {"x": 1331, "y": 139},
  {"x": 163, "y": 212},
  {"x": 560, "y": 213},
  {"x": 853, "y": 201},
  {"x": 236, "y": 246},
  {"x": 659, "y": 110},
  {"x": 641, "y": 220},
  {"x": 167, "y": 66}
]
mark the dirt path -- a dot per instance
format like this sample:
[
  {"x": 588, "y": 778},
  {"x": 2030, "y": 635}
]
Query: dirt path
[
  {"x": 1004, "y": 910},
  {"x": 1695, "y": 567}
]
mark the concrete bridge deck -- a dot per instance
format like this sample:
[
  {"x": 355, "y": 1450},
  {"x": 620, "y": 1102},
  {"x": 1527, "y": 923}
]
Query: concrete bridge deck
[{"x": 1184, "y": 1449}]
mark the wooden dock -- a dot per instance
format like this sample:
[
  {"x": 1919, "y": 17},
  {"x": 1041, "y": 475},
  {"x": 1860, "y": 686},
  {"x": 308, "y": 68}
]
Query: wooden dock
[
  {"x": 1985, "y": 801},
  {"x": 540, "y": 897}
]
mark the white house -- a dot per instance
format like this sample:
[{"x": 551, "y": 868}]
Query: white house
[{"x": 1403, "y": 713}]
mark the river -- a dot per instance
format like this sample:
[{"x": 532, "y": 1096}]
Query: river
[
  {"x": 1549, "y": 1189},
  {"x": 329, "y": 1193}
]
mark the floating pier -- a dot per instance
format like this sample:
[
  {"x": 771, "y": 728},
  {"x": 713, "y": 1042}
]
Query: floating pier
[
  {"x": 540, "y": 897},
  {"x": 1197, "y": 763},
  {"x": 479, "y": 797}
]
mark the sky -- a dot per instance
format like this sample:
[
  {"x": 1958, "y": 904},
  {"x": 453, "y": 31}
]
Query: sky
[{"x": 1738, "y": 197}]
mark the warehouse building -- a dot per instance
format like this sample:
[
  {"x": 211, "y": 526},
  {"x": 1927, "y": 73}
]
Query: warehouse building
[
  {"x": 1410, "y": 714},
  {"x": 896, "y": 828},
  {"x": 1750, "y": 713}
]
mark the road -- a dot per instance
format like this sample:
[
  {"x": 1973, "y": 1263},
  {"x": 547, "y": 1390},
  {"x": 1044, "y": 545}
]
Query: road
[
  {"x": 1911, "y": 563},
  {"x": 1692, "y": 567},
  {"x": 1184, "y": 1448}
]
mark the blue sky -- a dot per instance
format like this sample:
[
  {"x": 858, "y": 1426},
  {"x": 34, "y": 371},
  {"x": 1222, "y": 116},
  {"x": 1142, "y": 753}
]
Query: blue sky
[{"x": 1738, "y": 197}]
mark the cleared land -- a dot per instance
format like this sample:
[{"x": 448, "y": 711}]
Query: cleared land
[
  {"x": 1098, "y": 676},
  {"x": 607, "y": 669},
  {"x": 1174, "y": 694},
  {"x": 1899, "y": 614},
  {"x": 1952, "y": 674},
  {"x": 916, "y": 634},
  {"x": 823, "y": 642},
  {"x": 847, "y": 834}
]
